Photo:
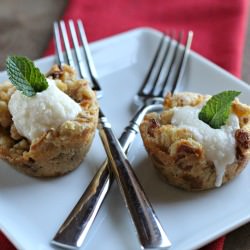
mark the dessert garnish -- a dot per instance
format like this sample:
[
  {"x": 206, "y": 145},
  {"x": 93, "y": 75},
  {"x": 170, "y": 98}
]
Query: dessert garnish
[
  {"x": 25, "y": 76},
  {"x": 38, "y": 104},
  {"x": 216, "y": 111}
]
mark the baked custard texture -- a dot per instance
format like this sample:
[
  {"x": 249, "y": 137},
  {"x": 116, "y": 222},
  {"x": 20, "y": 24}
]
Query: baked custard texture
[
  {"x": 179, "y": 157},
  {"x": 58, "y": 150}
]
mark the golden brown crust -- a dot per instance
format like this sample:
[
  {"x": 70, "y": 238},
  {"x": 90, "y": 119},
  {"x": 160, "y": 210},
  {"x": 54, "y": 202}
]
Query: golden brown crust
[
  {"x": 178, "y": 157},
  {"x": 59, "y": 150}
]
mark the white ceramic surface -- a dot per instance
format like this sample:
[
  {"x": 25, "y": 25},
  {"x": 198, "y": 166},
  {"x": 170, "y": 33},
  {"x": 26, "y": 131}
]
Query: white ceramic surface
[{"x": 31, "y": 210}]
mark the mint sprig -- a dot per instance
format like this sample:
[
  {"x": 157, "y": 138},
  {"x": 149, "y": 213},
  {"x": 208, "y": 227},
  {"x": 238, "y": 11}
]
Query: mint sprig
[
  {"x": 216, "y": 111},
  {"x": 25, "y": 76}
]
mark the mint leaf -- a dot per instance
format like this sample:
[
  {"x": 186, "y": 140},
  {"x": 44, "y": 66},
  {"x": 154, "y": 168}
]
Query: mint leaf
[
  {"x": 25, "y": 76},
  {"x": 216, "y": 111}
]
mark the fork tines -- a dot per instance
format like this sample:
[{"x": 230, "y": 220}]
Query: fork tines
[
  {"x": 170, "y": 55},
  {"x": 81, "y": 52}
]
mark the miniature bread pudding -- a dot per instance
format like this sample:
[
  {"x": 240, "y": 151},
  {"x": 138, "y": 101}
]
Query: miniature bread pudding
[
  {"x": 188, "y": 152},
  {"x": 49, "y": 133}
]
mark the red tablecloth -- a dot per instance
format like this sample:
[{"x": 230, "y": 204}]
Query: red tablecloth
[{"x": 219, "y": 28}]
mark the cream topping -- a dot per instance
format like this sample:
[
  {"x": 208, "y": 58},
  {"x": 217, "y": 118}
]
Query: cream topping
[
  {"x": 218, "y": 144},
  {"x": 32, "y": 116}
]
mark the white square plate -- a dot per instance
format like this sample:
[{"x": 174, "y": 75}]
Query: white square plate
[{"x": 31, "y": 210}]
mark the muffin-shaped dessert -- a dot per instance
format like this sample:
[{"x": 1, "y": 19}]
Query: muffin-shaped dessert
[
  {"x": 188, "y": 152},
  {"x": 48, "y": 134}
]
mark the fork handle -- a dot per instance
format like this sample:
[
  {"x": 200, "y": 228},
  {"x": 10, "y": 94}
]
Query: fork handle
[
  {"x": 74, "y": 230},
  {"x": 128, "y": 135},
  {"x": 149, "y": 229}
]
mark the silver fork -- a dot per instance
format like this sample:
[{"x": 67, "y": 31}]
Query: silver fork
[
  {"x": 75, "y": 228},
  {"x": 149, "y": 229}
]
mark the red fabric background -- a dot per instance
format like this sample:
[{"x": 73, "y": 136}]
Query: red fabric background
[{"x": 219, "y": 28}]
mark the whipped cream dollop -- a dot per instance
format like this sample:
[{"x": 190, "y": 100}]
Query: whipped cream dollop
[
  {"x": 48, "y": 109},
  {"x": 218, "y": 144}
]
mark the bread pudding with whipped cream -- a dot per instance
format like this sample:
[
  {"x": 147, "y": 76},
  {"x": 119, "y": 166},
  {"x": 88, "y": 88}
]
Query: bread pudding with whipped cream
[
  {"x": 189, "y": 153},
  {"x": 50, "y": 133}
]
